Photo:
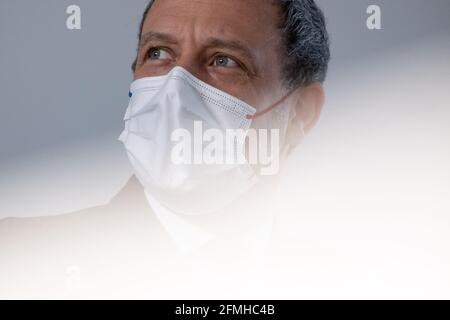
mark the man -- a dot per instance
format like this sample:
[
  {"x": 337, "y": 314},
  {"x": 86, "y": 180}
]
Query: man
[{"x": 208, "y": 64}]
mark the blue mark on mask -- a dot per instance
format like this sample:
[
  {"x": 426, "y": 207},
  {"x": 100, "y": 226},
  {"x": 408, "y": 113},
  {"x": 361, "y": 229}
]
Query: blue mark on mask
[{"x": 130, "y": 94}]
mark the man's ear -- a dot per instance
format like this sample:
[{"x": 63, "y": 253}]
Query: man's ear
[{"x": 305, "y": 112}]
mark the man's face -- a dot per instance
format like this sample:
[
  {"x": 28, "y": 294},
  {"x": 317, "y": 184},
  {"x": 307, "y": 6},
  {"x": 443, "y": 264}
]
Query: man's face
[
  {"x": 233, "y": 45},
  {"x": 236, "y": 47}
]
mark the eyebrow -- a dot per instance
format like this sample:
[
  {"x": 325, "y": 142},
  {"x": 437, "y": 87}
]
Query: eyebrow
[
  {"x": 210, "y": 43},
  {"x": 156, "y": 36},
  {"x": 230, "y": 44}
]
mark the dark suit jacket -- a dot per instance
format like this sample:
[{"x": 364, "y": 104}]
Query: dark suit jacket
[{"x": 117, "y": 250}]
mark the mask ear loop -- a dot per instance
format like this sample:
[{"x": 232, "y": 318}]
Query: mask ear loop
[{"x": 269, "y": 109}]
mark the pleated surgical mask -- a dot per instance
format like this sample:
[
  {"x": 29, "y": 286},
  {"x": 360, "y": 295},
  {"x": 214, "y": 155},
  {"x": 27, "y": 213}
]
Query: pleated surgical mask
[{"x": 167, "y": 122}]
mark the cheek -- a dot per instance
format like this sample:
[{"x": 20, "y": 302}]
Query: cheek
[
  {"x": 241, "y": 87},
  {"x": 259, "y": 92},
  {"x": 151, "y": 71}
]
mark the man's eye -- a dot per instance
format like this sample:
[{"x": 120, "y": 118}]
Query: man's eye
[
  {"x": 158, "y": 54},
  {"x": 224, "y": 61}
]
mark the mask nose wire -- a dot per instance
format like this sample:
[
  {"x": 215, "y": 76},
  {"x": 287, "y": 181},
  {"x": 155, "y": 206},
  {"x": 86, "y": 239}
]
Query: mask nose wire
[{"x": 272, "y": 107}]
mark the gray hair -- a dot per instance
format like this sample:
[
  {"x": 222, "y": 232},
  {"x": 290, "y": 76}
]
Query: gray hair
[{"x": 305, "y": 41}]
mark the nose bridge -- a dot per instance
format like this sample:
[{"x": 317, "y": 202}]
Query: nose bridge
[
  {"x": 190, "y": 64},
  {"x": 191, "y": 56}
]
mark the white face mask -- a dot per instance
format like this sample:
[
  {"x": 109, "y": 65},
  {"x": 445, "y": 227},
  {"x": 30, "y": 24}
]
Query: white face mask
[{"x": 161, "y": 105}]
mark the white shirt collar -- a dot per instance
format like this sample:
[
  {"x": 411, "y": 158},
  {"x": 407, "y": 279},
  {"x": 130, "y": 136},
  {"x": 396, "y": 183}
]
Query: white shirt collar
[{"x": 188, "y": 238}]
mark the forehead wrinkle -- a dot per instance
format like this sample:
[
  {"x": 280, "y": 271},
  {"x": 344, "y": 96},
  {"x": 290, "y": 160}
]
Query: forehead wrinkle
[{"x": 254, "y": 29}]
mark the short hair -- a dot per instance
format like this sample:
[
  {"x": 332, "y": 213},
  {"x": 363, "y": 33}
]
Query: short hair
[{"x": 306, "y": 46}]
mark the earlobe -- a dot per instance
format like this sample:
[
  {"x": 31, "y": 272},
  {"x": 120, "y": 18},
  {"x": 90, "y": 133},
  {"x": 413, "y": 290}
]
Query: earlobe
[
  {"x": 309, "y": 105},
  {"x": 305, "y": 112}
]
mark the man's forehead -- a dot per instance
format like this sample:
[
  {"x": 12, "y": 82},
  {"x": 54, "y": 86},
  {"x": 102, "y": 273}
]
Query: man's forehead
[{"x": 251, "y": 20}]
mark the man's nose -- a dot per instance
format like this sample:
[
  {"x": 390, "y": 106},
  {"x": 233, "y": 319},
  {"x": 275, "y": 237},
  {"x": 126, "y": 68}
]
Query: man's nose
[{"x": 193, "y": 63}]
